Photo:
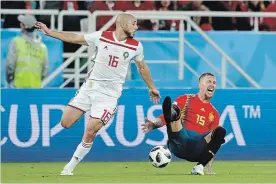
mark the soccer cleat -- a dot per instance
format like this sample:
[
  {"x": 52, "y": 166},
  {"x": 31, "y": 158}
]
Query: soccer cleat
[
  {"x": 171, "y": 111},
  {"x": 198, "y": 170},
  {"x": 66, "y": 172}
]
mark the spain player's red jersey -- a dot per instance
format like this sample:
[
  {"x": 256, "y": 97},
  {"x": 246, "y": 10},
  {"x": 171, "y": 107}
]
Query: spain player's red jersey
[{"x": 196, "y": 115}]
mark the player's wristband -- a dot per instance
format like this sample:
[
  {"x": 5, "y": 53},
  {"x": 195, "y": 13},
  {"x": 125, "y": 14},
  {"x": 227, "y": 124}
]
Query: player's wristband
[{"x": 157, "y": 123}]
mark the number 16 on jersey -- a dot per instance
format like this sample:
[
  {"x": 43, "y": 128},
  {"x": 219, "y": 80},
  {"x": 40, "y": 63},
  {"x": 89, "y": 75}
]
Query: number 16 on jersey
[{"x": 113, "y": 61}]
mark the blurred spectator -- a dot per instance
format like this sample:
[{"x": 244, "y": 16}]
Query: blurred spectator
[
  {"x": 31, "y": 4},
  {"x": 165, "y": 5},
  {"x": 182, "y": 4},
  {"x": 220, "y": 23},
  {"x": 141, "y": 6},
  {"x": 106, "y": 5},
  {"x": 269, "y": 23},
  {"x": 10, "y": 21},
  {"x": 241, "y": 23},
  {"x": 255, "y": 6},
  {"x": 88, "y": 4},
  {"x": 27, "y": 59},
  {"x": 204, "y": 22},
  {"x": 72, "y": 23},
  {"x": 50, "y": 5},
  {"x": 267, "y": 3}
]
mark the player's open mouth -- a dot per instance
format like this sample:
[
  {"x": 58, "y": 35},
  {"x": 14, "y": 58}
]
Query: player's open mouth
[{"x": 210, "y": 89}]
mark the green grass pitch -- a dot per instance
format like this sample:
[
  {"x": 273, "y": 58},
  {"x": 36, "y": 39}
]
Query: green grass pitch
[{"x": 139, "y": 172}]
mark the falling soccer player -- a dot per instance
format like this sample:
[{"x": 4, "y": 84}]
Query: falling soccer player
[{"x": 192, "y": 126}]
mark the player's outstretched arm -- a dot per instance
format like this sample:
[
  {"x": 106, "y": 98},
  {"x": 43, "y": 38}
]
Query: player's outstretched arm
[
  {"x": 145, "y": 74},
  {"x": 63, "y": 36},
  {"x": 150, "y": 125}
]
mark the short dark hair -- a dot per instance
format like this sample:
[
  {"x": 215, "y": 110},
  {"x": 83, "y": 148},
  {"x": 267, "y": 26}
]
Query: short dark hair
[{"x": 205, "y": 74}]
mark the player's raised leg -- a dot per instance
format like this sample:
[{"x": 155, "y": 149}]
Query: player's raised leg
[
  {"x": 171, "y": 115},
  {"x": 177, "y": 134},
  {"x": 93, "y": 126},
  {"x": 72, "y": 113},
  {"x": 70, "y": 116},
  {"x": 76, "y": 108}
]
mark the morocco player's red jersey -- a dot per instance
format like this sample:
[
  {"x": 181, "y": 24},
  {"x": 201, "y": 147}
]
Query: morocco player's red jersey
[{"x": 196, "y": 115}]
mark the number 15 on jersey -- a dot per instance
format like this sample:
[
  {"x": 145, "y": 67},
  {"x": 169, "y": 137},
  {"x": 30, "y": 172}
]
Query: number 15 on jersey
[{"x": 200, "y": 119}]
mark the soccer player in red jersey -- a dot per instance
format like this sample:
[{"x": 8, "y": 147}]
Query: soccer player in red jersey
[{"x": 192, "y": 125}]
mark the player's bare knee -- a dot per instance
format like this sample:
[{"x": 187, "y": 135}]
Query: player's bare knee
[
  {"x": 65, "y": 124},
  {"x": 70, "y": 116},
  {"x": 221, "y": 131},
  {"x": 66, "y": 121}
]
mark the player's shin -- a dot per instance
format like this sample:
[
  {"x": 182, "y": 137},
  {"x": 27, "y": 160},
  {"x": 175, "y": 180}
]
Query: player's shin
[
  {"x": 81, "y": 151},
  {"x": 208, "y": 167},
  {"x": 213, "y": 146}
]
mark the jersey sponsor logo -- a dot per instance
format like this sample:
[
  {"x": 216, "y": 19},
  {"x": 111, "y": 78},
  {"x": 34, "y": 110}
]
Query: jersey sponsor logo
[{"x": 202, "y": 109}]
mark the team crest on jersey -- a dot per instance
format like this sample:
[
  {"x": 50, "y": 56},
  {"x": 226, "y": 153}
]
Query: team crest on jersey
[
  {"x": 211, "y": 116},
  {"x": 126, "y": 54}
]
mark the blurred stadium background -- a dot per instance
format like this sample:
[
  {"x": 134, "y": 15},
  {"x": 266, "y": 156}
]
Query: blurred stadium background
[{"x": 235, "y": 40}]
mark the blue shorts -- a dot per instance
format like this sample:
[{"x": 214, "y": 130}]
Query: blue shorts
[{"x": 186, "y": 144}]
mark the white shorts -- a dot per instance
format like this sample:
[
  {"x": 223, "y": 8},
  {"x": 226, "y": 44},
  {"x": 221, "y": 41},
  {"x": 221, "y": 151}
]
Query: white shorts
[{"x": 101, "y": 106}]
